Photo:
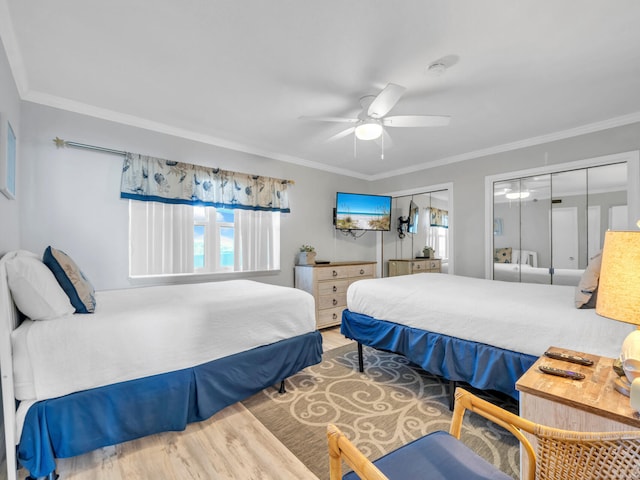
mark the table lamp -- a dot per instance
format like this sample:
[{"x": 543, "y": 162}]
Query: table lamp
[{"x": 619, "y": 298}]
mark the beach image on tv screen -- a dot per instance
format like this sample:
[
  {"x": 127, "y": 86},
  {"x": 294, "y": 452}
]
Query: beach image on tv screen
[{"x": 362, "y": 212}]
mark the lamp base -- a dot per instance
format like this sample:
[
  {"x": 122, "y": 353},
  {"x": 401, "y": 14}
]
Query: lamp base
[{"x": 622, "y": 385}]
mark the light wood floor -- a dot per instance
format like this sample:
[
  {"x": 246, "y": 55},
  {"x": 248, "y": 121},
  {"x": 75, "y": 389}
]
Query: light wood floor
[{"x": 232, "y": 444}]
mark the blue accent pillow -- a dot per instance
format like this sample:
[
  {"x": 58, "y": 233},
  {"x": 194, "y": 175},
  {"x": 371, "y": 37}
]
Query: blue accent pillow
[{"x": 74, "y": 283}]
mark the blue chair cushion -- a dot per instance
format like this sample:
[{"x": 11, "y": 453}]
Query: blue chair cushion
[{"x": 437, "y": 456}]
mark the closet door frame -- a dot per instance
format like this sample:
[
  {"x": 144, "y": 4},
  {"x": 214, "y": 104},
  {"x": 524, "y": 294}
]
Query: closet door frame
[{"x": 632, "y": 158}]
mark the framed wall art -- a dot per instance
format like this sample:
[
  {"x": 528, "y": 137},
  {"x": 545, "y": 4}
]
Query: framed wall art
[{"x": 8, "y": 147}]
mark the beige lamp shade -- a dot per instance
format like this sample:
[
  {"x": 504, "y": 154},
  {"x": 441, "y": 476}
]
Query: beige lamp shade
[{"x": 619, "y": 285}]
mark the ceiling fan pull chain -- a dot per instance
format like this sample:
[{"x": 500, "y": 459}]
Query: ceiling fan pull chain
[
  {"x": 355, "y": 147},
  {"x": 382, "y": 147}
]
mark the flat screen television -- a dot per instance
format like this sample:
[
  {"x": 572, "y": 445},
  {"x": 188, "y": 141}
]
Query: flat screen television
[{"x": 356, "y": 211}]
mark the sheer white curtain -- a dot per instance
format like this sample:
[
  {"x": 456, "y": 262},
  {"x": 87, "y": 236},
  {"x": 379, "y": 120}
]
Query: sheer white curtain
[
  {"x": 161, "y": 238},
  {"x": 437, "y": 235},
  {"x": 257, "y": 240}
]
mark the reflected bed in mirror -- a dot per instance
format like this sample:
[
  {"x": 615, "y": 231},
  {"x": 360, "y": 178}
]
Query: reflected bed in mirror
[{"x": 510, "y": 272}]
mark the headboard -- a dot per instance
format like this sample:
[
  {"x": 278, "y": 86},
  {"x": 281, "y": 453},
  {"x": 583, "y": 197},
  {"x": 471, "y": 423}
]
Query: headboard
[{"x": 9, "y": 321}]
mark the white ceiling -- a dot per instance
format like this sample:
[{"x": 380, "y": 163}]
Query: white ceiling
[{"x": 241, "y": 73}]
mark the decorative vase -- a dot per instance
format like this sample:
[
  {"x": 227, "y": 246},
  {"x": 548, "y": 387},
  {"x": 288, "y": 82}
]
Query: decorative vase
[
  {"x": 426, "y": 252},
  {"x": 306, "y": 258}
]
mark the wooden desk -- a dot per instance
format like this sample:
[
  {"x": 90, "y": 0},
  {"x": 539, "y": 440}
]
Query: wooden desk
[{"x": 589, "y": 405}]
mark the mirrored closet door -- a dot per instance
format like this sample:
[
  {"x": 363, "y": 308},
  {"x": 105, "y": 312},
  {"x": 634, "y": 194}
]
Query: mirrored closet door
[
  {"x": 419, "y": 231},
  {"x": 546, "y": 227}
]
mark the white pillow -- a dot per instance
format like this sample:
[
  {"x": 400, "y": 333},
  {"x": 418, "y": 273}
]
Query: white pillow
[
  {"x": 587, "y": 289},
  {"x": 35, "y": 290}
]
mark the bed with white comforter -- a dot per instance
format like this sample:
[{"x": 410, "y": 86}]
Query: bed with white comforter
[
  {"x": 483, "y": 332},
  {"x": 148, "y": 360}
]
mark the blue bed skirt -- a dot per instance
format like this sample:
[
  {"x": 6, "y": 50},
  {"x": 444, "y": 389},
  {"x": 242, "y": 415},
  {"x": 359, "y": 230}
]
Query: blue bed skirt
[
  {"x": 481, "y": 366},
  {"x": 80, "y": 422}
]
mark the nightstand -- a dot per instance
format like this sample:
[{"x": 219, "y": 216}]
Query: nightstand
[{"x": 589, "y": 405}]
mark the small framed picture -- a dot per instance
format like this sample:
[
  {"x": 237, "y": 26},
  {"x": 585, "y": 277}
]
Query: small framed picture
[{"x": 8, "y": 162}]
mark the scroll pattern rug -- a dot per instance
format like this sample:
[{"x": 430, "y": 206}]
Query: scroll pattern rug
[{"x": 390, "y": 404}]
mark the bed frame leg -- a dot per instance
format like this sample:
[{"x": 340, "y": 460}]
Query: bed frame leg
[
  {"x": 360, "y": 359},
  {"x": 452, "y": 393},
  {"x": 282, "y": 388}
]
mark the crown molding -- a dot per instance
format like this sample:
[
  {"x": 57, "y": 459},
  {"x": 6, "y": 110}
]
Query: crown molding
[
  {"x": 529, "y": 142},
  {"x": 139, "y": 122},
  {"x": 131, "y": 120}
]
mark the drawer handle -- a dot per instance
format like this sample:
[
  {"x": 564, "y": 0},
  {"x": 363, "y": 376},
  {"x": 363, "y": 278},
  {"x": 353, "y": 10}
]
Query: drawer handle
[
  {"x": 335, "y": 302},
  {"x": 417, "y": 267},
  {"x": 335, "y": 274},
  {"x": 335, "y": 316},
  {"x": 335, "y": 289},
  {"x": 361, "y": 271}
]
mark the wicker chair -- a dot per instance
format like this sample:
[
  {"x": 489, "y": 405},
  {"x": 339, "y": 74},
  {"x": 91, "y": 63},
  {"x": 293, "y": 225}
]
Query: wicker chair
[{"x": 561, "y": 454}]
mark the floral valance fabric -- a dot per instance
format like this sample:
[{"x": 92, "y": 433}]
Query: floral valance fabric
[
  {"x": 158, "y": 180},
  {"x": 438, "y": 218}
]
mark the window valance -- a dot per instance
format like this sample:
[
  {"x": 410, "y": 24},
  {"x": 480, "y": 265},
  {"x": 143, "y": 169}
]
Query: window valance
[
  {"x": 438, "y": 217},
  {"x": 158, "y": 180}
]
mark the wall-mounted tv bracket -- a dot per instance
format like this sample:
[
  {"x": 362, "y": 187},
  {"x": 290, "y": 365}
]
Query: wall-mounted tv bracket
[{"x": 403, "y": 226}]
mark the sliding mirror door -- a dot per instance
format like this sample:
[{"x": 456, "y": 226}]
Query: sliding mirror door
[
  {"x": 418, "y": 221},
  {"x": 547, "y": 227},
  {"x": 521, "y": 230}
]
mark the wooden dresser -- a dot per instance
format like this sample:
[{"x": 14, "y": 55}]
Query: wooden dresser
[
  {"x": 415, "y": 265},
  {"x": 328, "y": 284},
  {"x": 589, "y": 405}
]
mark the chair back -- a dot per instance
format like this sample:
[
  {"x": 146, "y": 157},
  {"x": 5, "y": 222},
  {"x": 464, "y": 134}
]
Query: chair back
[
  {"x": 560, "y": 454},
  {"x": 582, "y": 456}
]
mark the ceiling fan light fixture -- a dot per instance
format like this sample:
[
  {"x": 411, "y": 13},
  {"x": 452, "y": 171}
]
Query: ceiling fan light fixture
[
  {"x": 517, "y": 195},
  {"x": 369, "y": 130}
]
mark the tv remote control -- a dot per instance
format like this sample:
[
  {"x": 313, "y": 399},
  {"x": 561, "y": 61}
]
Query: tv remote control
[
  {"x": 569, "y": 358},
  {"x": 561, "y": 373}
]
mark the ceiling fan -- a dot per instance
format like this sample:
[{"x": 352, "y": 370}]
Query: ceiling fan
[{"x": 371, "y": 121}]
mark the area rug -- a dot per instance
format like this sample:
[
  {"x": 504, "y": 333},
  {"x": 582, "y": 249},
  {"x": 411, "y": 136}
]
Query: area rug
[{"x": 391, "y": 403}]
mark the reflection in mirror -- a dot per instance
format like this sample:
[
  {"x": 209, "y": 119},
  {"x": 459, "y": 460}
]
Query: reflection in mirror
[
  {"x": 569, "y": 222},
  {"x": 413, "y": 218},
  {"x": 417, "y": 211},
  {"x": 547, "y": 227}
]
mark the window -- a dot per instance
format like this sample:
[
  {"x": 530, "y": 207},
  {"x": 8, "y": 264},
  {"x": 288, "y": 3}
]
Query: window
[
  {"x": 214, "y": 239},
  {"x": 168, "y": 239}
]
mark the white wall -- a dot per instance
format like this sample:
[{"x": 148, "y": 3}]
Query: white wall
[
  {"x": 468, "y": 183},
  {"x": 71, "y": 196},
  {"x": 9, "y": 111}
]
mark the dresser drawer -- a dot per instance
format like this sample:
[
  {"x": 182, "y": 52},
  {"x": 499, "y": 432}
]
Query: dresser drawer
[
  {"x": 330, "y": 316},
  {"x": 327, "y": 273},
  {"x": 331, "y": 301},
  {"x": 356, "y": 271},
  {"x": 433, "y": 265},
  {"x": 419, "y": 266},
  {"x": 328, "y": 287}
]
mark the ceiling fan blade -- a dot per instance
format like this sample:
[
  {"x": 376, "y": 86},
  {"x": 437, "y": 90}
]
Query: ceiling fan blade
[
  {"x": 416, "y": 121},
  {"x": 341, "y": 134},
  {"x": 385, "y": 100},
  {"x": 330, "y": 119}
]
